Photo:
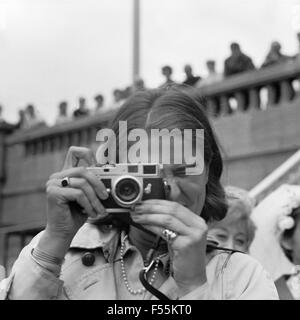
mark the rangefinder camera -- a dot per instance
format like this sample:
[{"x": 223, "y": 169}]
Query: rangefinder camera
[{"x": 128, "y": 184}]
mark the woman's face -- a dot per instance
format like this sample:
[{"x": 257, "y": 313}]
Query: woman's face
[
  {"x": 188, "y": 190},
  {"x": 230, "y": 235}
]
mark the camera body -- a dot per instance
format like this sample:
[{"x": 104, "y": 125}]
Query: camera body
[{"x": 128, "y": 184}]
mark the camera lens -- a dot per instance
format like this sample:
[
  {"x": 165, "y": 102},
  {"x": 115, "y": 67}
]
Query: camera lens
[{"x": 127, "y": 190}]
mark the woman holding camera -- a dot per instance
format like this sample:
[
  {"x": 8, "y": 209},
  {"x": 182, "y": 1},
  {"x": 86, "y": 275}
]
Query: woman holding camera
[{"x": 76, "y": 259}]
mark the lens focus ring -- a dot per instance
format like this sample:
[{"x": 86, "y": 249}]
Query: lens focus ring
[{"x": 127, "y": 190}]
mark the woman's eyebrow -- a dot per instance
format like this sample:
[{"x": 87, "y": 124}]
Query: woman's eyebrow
[{"x": 241, "y": 234}]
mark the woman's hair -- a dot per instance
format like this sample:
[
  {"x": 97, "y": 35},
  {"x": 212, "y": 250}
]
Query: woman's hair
[
  {"x": 288, "y": 233},
  {"x": 182, "y": 109},
  {"x": 240, "y": 207}
]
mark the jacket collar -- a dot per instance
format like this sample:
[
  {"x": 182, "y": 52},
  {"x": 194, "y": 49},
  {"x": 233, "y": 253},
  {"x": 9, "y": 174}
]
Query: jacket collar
[
  {"x": 91, "y": 236},
  {"x": 106, "y": 238}
]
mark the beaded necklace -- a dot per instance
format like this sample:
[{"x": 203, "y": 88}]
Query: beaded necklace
[{"x": 124, "y": 274}]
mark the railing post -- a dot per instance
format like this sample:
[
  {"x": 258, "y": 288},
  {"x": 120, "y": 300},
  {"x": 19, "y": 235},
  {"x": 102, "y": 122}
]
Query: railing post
[
  {"x": 84, "y": 138},
  {"x": 241, "y": 101},
  {"x": 286, "y": 91},
  {"x": 272, "y": 94},
  {"x": 225, "y": 108},
  {"x": 254, "y": 99}
]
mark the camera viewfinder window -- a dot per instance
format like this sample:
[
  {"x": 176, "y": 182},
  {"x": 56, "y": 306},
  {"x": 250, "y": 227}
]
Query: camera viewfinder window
[
  {"x": 149, "y": 169},
  {"x": 133, "y": 169}
]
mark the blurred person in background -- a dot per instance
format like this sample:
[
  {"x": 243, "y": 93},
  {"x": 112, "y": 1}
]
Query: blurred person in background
[
  {"x": 167, "y": 73},
  {"x": 99, "y": 100},
  {"x": 212, "y": 75},
  {"x": 127, "y": 92},
  {"x": 32, "y": 118},
  {"x": 139, "y": 84},
  {"x": 237, "y": 62},
  {"x": 276, "y": 243},
  {"x": 82, "y": 110},
  {"x": 236, "y": 231},
  {"x": 21, "y": 122},
  {"x": 62, "y": 113},
  {"x": 118, "y": 99},
  {"x": 275, "y": 56},
  {"x": 190, "y": 80}
]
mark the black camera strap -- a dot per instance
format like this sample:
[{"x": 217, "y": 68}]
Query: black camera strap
[
  {"x": 143, "y": 278},
  {"x": 158, "y": 294}
]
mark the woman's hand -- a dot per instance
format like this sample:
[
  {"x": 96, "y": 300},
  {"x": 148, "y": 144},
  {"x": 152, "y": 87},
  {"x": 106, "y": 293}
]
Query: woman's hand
[
  {"x": 84, "y": 188},
  {"x": 188, "y": 249}
]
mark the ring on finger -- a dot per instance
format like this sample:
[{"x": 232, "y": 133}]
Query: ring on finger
[
  {"x": 65, "y": 182},
  {"x": 169, "y": 235}
]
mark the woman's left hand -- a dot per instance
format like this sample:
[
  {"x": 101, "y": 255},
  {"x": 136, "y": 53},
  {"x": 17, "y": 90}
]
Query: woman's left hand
[{"x": 188, "y": 249}]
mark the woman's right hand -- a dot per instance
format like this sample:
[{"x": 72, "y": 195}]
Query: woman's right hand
[{"x": 84, "y": 189}]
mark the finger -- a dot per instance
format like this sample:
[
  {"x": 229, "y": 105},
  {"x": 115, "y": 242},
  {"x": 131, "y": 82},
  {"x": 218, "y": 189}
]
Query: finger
[
  {"x": 67, "y": 195},
  {"x": 80, "y": 183},
  {"x": 163, "y": 221},
  {"x": 84, "y": 173},
  {"x": 175, "y": 209},
  {"x": 75, "y": 154},
  {"x": 181, "y": 242},
  {"x": 159, "y": 232}
]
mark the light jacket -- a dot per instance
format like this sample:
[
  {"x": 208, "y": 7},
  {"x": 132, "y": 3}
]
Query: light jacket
[{"x": 229, "y": 276}]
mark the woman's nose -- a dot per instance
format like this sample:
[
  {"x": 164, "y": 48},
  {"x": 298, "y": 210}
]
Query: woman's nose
[{"x": 229, "y": 243}]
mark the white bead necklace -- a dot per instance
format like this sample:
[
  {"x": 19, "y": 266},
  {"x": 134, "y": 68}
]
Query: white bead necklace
[{"x": 124, "y": 274}]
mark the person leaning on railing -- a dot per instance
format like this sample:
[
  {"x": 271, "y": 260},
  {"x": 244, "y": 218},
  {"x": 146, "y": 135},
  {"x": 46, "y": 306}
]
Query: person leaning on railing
[{"x": 72, "y": 259}]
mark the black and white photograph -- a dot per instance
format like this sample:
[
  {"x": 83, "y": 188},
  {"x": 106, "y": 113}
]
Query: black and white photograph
[{"x": 149, "y": 150}]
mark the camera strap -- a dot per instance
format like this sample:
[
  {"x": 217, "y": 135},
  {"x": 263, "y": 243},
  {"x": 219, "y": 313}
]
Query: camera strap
[{"x": 143, "y": 273}]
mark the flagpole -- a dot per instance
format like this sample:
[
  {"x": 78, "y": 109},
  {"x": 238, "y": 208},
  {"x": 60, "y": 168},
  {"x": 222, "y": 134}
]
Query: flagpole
[{"x": 136, "y": 39}]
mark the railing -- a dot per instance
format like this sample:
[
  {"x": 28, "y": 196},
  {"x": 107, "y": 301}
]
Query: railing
[
  {"x": 60, "y": 137},
  {"x": 288, "y": 172},
  {"x": 245, "y": 91}
]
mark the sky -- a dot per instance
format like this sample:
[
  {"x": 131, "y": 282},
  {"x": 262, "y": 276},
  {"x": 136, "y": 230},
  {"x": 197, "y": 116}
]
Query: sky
[{"x": 54, "y": 50}]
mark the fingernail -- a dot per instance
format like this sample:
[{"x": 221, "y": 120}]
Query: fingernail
[{"x": 104, "y": 194}]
